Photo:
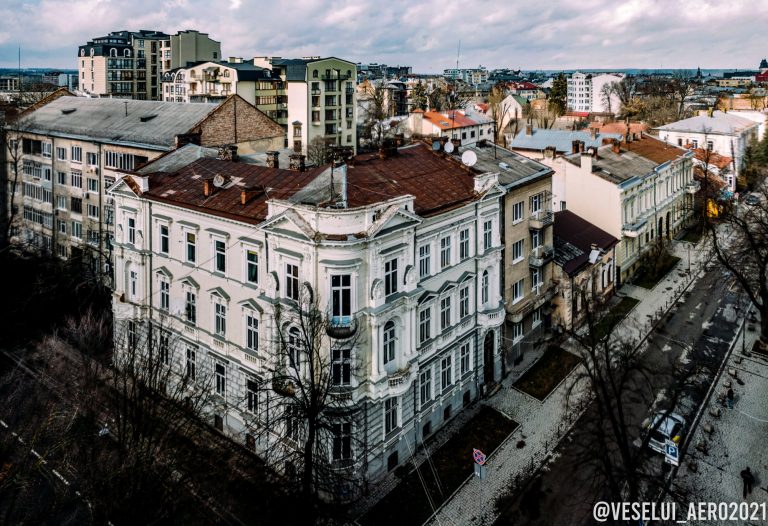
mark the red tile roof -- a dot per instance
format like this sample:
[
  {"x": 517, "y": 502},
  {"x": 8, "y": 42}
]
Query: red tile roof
[
  {"x": 438, "y": 184},
  {"x": 449, "y": 120},
  {"x": 654, "y": 150},
  {"x": 715, "y": 159},
  {"x": 620, "y": 127}
]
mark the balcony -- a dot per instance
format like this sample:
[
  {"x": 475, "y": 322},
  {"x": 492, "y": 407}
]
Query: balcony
[
  {"x": 491, "y": 318},
  {"x": 540, "y": 256},
  {"x": 341, "y": 327},
  {"x": 335, "y": 75},
  {"x": 634, "y": 230},
  {"x": 519, "y": 311},
  {"x": 692, "y": 187},
  {"x": 540, "y": 219}
]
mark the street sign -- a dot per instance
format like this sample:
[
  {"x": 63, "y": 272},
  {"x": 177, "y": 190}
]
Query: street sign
[
  {"x": 671, "y": 453},
  {"x": 479, "y": 456},
  {"x": 480, "y": 471}
]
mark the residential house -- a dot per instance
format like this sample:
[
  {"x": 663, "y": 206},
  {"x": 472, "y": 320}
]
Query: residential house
[
  {"x": 410, "y": 263},
  {"x": 585, "y": 268},
  {"x": 187, "y": 47},
  {"x": 452, "y": 124},
  {"x": 532, "y": 142},
  {"x": 70, "y": 149},
  {"x": 727, "y": 134},
  {"x": 585, "y": 92}
]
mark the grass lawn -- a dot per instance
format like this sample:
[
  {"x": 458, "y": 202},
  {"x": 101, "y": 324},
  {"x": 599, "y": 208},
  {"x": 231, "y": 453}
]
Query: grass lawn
[
  {"x": 408, "y": 504},
  {"x": 648, "y": 280},
  {"x": 614, "y": 316},
  {"x": 547, "y": 372}
]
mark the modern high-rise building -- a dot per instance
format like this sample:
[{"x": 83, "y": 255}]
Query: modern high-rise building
[
  {"x": 586, "y": 92},
  {"x": 128, "y": 64}
]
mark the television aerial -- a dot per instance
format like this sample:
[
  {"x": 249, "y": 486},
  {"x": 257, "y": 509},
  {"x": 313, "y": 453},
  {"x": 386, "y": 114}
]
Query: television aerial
[
  {"x": 448, "y": 147},
  {"x": 469, "y": 158},
  {"x": 219, "y": 181}
]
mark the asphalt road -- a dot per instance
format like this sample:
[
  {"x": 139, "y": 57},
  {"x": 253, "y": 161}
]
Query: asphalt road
[{"x": 701, "y": 326}]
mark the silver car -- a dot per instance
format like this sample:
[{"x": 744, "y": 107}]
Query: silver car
[{"x": 663, "y": 428}]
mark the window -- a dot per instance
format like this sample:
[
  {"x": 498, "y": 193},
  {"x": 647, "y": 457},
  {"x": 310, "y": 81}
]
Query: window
[
  {"x": 537, "y": 317},
  {"x": 517, "y": 290},
  {"x": 220, "y": 259},
  {"x": 46, "y": 150},
  {"x": 465, "y": 357},
  {"x": 464, "y": 244},
  {"x": 191, "y": 363},
  {"x": 445, "y": 252},
  {"x": 294, "y": 348},
  {"x": 131, "y": 231},
  {"x": 252, "y": 395},
  {"x": 220, "y": 371},
  {"x": 389, "y": 342},
  {"x": 517, "y": 251},
  {"x": 61, "y": 154},
  {"x": 342, "y": 441},
  {"x": 61, "y": 177},
  {"x": 252, "y": 332},
  {"x": 292, "y": 281},
  {"x": 680, "y": 141},
  {"x": 293, "y": 422},
  {"x": 77, "y": 179},
  {"x": 93, "y": 211},
  {"x": 77, "y": 154},
  {"x": 487, "y": 234},
  {"x": 341, "y": 299},
  {"x": 517, "y": 331},
  {"x": 132, "y": 334},
  {"x": 446, "y": 370},
  {"x": 710, "y": 145},
  {"x": 93, "y": 185},
  {"x": 424, "y": 260},
  {"x": 77, "y": 229},
  {"x": 390, "y": 277},
  {"x": 191, "y": 248},
  {"x": 445, "y": 313},
  {"x": 390, "y": 415},
  {"x": 220, "y": 318},
  {"x": 133, "y": 283},
  {"x": 165, "y": 294},
  {"x": 535, "y": 278},
  {"x": 164, "y": 347},
  {"x": 190, "y": 307},
  {"x": 252, "y": 266},
  {"x": 90, "y": 159},
  {"x": 76, "y": 205},
  {"x": 425, "y": 386},
  {"x": 535, "y": 239},
  {"x": 425, "y": 324},
  {"x": 536, "y": 203},
  {"x": 463, "y": 302},
  {"x": 341, "y": 364},
  {"x": 164, "y": 241},
  {"x": 484, "y": 285},
  {"x": 517, "y": 212},
  {"x": 694, "y": 143},
  {"x": 122, "y": 161},
  {"x": 62, "y": 226}
]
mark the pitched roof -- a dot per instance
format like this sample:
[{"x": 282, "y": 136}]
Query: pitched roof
[
  {"x": 562, "y": 140},
  {"x": 719, "y": 123},
  {"x": 713, "y": 158},
  {"x": 119, "y": 121},
  {"x": 450, "y": 119},
  {"x": 574, "y": 237},
  {"x": 620, "y": 127}
]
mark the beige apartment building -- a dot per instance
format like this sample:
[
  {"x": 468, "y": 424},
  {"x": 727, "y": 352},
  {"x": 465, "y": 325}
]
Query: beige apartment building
[{"x": 127, "y": 64}]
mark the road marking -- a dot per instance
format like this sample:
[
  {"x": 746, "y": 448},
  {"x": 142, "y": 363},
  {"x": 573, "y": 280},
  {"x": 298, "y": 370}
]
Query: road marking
[
  {"x": 35, "y": 453},
  {"x": 61, "y": 478},
  {"x": 2, "y": 422}
]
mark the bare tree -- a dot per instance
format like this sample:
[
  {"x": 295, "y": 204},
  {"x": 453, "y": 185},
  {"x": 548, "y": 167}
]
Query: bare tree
[
  {"x": 320, "y": 151},
  {"x": 501, "y": 112}
]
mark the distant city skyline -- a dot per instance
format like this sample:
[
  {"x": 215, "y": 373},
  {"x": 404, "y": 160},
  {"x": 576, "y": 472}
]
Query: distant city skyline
[{"x": 562, "y": 34}]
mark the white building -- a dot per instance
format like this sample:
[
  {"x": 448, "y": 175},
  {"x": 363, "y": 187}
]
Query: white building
[
  {"x": 585, "y": 92},
  {"x": 454, "y": 124},
  {"x": 727, "y": 134},
  {"x": 414, "y": 259}
]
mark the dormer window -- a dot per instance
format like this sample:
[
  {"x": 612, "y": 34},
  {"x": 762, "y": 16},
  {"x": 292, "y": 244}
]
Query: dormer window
[{"x": 127, "y": 53}]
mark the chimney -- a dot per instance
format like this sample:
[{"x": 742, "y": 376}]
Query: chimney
[
  {"x": 249, "y": 192},
  {"x": 442, "y": 140},
  {"x": 575, "y": 146},
  {"x": 616, "y": 146},
  {"x": 228, "y": 153},
  {"x": 593, "y": 133},
  {"x": 586, "y": 162},
  {"x": 296, "y": 162},
  {"x": 593, "y": 152},
  {"x": 208, "y": 186},
  {"x": 456, "y": 143},
  {"x": 710, "y": 112},
  {"x": 273, "y": 159},
  {"x": 399, "y": 139},
  {"x": 529, "y": 129},
  {"x": 550, "y": 152}
]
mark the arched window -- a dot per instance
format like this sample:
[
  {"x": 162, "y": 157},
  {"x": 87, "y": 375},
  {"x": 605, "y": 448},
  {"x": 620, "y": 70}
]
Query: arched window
[
  {"x": 93, "y": 52},
  {"x": 179, "y": 77},
  {"x": 82, "y": 52},
  {"x": 294, "y": 348},
  {"x": 127, "y": 53},
  {"x": 484, "y": 288},
  {"x": 389, "y": 342},
  {"x": 226, "y": 73},
  {"x": 112, "y": 52},
  {"x": 314, "y": 74}
]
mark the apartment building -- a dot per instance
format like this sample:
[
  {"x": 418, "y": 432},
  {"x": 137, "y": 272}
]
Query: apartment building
[
  {"x": 70, "y": 149},
  {"x": 585, "y": 92},
  {"x": 636, "y": 191},
  {"x": 527, "y": 220},
  {"x": 129, "y": 64},
  {"x": 317, "y": 99},
  {"x": 410, "y": 265},
  {"x": 728, "y": 134}
]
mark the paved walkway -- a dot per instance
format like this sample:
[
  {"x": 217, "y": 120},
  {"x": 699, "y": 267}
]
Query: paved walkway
[
  {"x": 737, "y": 439},
  {"x": 542, "y": 424}
]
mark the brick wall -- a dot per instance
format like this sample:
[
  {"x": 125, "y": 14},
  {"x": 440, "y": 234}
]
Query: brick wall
[{"x": 238, "y": 122}]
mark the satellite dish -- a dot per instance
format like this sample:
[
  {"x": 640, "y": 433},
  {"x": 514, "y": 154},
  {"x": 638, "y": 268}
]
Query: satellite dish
[
  {"x": 469, "y": 158},
  {"x": 448, "y": 147},
  {"x": 218, "y": 181},
  {"x": 436, "y": 146}
]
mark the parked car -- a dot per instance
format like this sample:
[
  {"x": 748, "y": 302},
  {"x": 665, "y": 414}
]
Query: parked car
[
  {"x": 752, "y": 200},
  {"x": 663, "y": 428}
]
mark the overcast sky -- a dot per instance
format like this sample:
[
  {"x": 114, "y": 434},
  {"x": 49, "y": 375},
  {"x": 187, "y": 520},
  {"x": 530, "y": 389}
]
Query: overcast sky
[{"x": 540, "y": 34}]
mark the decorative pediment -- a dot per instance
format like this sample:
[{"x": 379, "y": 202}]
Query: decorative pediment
[
  {"x": 164, "y": 272},
  {"x": 429, "y": 295},
  {"x": 219, "y": 292},
  {"x": 392, "y": 219},
  {"x": 290, "y": 222},
  {"x": 189, "y": 282},
  {"x": 251, "y": 304}
]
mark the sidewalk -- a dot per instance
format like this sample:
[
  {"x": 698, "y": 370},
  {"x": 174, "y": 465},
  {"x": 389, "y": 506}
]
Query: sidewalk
[
  {"x": 543, "y": 424},
  {"x": 737, "y": 439}
]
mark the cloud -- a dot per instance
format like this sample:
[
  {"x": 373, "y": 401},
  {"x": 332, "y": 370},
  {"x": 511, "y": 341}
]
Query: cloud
[{"x": 559, "y": 34}]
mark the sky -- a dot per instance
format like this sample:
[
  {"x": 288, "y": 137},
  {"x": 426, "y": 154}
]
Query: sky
[{"x": 548, "y": 34}]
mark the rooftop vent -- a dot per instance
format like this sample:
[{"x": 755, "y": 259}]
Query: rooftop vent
[
  {"x": 67, "y": 111},
  {"x": 147, "y": 118}
]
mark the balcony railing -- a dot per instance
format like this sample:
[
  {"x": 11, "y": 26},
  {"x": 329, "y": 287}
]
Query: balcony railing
[
  {"x": 692, "y": 187},
  {"x": 540, "y": 256},
  {"x": 634, "y": 230},
  {"x": 399, "y": 377},
  {"x": 540, "y": 219}
]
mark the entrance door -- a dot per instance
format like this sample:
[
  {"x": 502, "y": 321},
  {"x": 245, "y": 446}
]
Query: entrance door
[{"x": 488, "y": 345}]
